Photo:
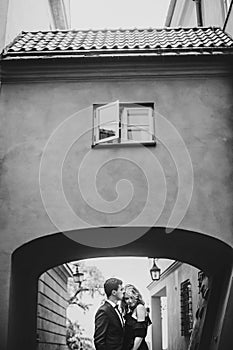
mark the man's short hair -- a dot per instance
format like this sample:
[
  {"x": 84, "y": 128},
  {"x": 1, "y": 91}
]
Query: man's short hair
[{"x": 111, "y": 284}]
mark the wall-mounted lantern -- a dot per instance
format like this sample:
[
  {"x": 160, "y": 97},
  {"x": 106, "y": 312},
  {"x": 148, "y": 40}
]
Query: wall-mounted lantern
[
  {"x": 155, "y": 271},
  {"x": 78, "y": 276}
]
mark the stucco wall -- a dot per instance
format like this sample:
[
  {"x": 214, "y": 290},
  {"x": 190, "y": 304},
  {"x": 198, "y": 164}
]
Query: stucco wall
[{"x": 200, "y": 110}]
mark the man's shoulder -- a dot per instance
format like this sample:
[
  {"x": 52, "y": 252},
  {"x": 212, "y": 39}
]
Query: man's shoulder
[
  {"x": 102, "y": 310},
  {"x": 104, "y": 306}
]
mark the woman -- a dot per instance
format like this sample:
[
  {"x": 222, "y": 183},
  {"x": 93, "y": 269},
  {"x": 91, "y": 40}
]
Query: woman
[{"x": 136, "y": 319}]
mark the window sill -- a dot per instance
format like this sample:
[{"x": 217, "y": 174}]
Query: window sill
[{"x": 125, "y": 144}]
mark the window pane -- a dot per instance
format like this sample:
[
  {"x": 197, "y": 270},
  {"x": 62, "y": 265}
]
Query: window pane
[
  {"x": 107, "y": 130},
  {"x": 139, "y": 135},
  {"x": 137, "y": 124},
  {"x": 107, "y": 122},
  {"x": 107, "y": 114},
  {"x": 137, "y": 116}
]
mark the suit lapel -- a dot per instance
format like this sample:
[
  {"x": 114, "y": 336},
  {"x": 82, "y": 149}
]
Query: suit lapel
[{"x": 114, "y": 314}]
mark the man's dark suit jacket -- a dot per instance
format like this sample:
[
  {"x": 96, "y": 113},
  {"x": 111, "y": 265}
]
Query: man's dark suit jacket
[{"x": 109, "y": 331}]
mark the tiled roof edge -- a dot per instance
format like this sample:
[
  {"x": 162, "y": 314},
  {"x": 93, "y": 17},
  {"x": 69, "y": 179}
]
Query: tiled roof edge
[
  {"x": 227, "y": 34},
  {"x": 117, "y": 29},
  {"x": 164, "y": 45},
  {"x": 4, "y": 50}
]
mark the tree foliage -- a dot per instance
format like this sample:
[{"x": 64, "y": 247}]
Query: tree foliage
[
  {"x": 75, "y": 339},
  {"x": 92, "y": 284},
  {"x": 94, "y": 279}
]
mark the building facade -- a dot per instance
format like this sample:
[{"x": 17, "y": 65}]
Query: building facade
[
  {"x": 177, "y": 294},
  {"x": 151, "y": 106}
]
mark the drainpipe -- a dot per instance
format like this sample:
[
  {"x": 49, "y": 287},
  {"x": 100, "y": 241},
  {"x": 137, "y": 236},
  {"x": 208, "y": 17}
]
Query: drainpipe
[{"x": 199, "y": 13}]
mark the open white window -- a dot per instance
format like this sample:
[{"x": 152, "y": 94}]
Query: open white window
[
  {"x": 106, "y": 123},
  {"x": 122, "y": 123}
]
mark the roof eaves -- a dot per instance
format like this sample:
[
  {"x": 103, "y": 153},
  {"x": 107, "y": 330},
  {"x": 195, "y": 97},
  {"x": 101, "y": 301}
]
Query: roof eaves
[
  {"x": 162, "y": 48},
  {"x": 117, "y": 52}
]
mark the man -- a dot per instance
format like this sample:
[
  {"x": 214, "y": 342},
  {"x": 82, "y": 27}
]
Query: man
[{"x": 109, "y": 325}]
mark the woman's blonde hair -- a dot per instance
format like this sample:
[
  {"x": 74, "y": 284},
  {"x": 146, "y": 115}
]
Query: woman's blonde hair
[{"x": 132, "y": 291}]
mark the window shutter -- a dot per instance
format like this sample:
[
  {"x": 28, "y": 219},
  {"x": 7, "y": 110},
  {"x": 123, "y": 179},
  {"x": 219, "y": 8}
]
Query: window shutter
[{"x": 106, "y": 122}]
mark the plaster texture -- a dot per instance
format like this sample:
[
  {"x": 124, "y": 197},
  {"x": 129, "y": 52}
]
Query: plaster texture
[{"x": 200, "y": 110}]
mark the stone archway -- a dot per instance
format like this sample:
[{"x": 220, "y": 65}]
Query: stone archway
[{"x": 29, "y": 261}]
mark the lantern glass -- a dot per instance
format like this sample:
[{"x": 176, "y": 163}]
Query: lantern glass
[{"x": 155, "y": 275}]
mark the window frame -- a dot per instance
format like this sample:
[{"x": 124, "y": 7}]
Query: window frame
[
  {"x": 186, "y": 308},
  {"x": 97, "y": 123},
  {"x": 123, "y": 107}
]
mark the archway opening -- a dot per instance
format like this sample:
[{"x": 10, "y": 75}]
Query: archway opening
[{"x": 33, "y": 258}]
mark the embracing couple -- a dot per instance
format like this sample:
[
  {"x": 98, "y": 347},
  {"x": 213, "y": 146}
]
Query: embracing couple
[{"x": 121, "y": 322}]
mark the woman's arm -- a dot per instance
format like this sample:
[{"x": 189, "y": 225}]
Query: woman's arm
[
  {"x": 139, "y": 332},
  {"x": 137, "y": 343}
]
